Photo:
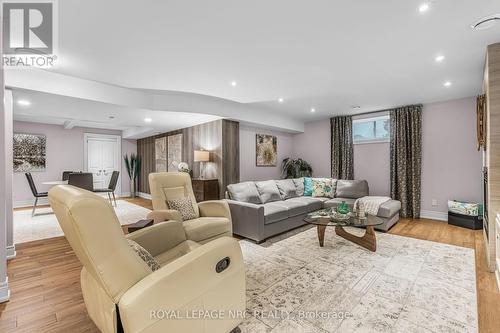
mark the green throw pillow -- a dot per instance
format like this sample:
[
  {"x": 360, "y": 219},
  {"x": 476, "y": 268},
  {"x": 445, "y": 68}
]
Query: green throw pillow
[{"x": 308, "y": 187}]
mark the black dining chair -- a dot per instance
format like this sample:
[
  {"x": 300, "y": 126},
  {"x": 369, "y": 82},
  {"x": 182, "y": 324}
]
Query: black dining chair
[
  {"x": 65, "y": 175},
  {"x": 35, "y": 192},
  {"x": 83, "y": 180},
  {"x": 111, "y": 187}
]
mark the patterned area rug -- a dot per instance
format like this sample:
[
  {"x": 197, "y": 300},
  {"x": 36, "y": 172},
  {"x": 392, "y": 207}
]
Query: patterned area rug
[
  {"x": 44, "y": 224},
  {"x": 408, "y": 285}
]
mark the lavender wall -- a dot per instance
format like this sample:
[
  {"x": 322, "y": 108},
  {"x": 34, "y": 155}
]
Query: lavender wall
[
  {"x": 248, "y": 169},
  {"x": 314, "y": 146},
  {"x": 64, "y": 152},
  {"x": 451, "y": 164}
]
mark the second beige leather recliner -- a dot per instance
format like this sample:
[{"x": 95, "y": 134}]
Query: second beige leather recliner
[
  {"x": 115, "y": 280},
  {"x": 213, "y": 218}
]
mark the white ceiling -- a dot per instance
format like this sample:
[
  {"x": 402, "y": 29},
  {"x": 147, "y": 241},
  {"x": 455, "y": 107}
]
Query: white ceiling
[{"x": 326, "y": 54}]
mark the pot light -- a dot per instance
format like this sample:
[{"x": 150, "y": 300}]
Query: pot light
[
  {"x": 447, "y": 84},
  {"x": 23, "y": 102},
  {"x": 281, "y": 100},
  {"x": 313, "y": 110},
  {"x": 424, "y": 7},
  {"x": 440, "y": 58},
  {"x": 356, "y": 107},
  {"x": 234, "y": 83},
  {"x": 148, "y": 120}
]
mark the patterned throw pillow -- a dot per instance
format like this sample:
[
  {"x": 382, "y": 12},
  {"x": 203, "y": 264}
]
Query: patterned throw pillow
[
  {"x": 145, "y": 255},
  {"x": 322, "y": 187},
  {"x": 308, "y": 189},
  {"x": 183, "y": 206}
]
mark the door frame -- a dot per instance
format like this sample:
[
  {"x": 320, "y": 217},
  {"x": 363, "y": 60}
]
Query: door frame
[{"x": 118, "y": 155}]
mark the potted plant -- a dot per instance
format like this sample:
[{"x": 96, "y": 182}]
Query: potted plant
[
  {"x": 295, "y": 168},
  {"x": 133, "y": 165}
]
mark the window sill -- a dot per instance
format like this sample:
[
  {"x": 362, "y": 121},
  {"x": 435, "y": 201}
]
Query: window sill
[{"x": 370, "y": 142}]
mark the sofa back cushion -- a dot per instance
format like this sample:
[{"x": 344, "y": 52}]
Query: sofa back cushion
[
  {"x": 268, "y": 191},
  {"x": 352, "y": 189},
  {"x": 323, "y": 187},
  {"x": 299, "y": 185},
  {"x": 287, "y": 188},
  {"x": 244, "y": 192}
]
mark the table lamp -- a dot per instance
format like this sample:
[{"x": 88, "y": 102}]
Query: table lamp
[{"x": 202, "y": 156}]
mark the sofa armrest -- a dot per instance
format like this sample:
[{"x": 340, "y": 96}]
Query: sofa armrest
[
  {"x": 159, "y": 237},
  {"x": 190, "y": 283},
  {"x": 214, "y": 208},
  {"x": 248, "y": 219},
  {"x": 162, "y": 215}
]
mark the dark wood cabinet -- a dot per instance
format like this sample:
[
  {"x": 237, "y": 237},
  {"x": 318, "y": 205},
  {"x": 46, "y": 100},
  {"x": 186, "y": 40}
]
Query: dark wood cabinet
[{"x": 205, "y": 189}]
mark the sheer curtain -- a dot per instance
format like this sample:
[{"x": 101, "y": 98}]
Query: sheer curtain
[{"x": 342, "y": 149}]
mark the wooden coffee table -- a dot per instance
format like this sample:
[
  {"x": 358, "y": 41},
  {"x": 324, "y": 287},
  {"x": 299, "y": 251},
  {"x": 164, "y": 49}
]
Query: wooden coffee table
[{"x": 325, "y": 218}]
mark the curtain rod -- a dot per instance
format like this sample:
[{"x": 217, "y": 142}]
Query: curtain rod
[{"x": 378, "y": 111}]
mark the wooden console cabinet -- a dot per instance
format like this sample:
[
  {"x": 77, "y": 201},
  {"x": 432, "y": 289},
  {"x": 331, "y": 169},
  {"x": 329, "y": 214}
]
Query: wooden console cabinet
[{"x": 205, "y": 189}]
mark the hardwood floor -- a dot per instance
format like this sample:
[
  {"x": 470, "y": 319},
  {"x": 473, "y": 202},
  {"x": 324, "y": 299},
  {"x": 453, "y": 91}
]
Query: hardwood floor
[{"x": 45, "y": 280}]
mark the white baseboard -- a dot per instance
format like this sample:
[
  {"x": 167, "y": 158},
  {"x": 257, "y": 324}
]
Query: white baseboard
[
  {"x": 497, "y": 273},
  {"x": 124, "y": 195},
  {"x": 433, "y": 215},
  {"x": 11, "y": 252},
  {"x": 4, "y": 291},
  {"x": 144, "y": 195}
]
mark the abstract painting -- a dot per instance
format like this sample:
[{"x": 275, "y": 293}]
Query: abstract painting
[
  {"x": 29, "y": 152},
  {"x": 174, "y": 152},
  {"x": 161, "y": 154},
  {"x": 266, "y": 150}
]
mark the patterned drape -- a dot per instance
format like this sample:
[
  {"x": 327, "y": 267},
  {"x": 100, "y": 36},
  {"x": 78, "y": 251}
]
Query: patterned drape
[
  {"x": 342, "y": 150},
  {"x": 406, "y": 158}
]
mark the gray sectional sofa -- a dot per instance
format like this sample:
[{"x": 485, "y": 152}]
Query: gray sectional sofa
[{"x": 263, "y": 209}]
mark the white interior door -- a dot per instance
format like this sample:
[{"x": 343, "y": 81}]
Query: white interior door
[{"x": 102, "y": 157}]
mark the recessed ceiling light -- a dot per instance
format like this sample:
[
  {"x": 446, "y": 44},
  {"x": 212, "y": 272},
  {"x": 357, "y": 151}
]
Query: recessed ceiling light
[
  {"x": 447, "y": 84},
  {"x": 281, "y": 100},
  {"x": 313, "y": 110},
  {"x": 356, "y": 107},
  {"x": 148, "y": 120},
  {"x": 440, "y": 58},
  {"x": 111, "y": 117},
  {"x": 24, "y": 102},
  {"x": 486, "y": 22},
  {"x": 234, "y": 83},
  {"x": 424, "y": 7}
]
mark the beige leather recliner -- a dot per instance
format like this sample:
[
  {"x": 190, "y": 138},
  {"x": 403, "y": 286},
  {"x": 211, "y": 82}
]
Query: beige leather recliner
[
  {"x": 213, "y": 217},
  {"x": 117, "y": 282}
]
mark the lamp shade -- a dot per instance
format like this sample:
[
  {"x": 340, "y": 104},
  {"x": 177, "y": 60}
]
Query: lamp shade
[{"x": 201, "y": 156}]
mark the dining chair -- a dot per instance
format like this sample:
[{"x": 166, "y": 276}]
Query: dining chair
[
  {"x": 83, "y": 180},
  {"x": 35, "y": 192},
  {"x": 111, "y": 187},
  {"x": 65, "y": 175}
]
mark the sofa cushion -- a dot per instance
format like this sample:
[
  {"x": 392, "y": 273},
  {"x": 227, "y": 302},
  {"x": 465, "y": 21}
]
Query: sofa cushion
[
  {"x": 333, "y": 203},
  {"x": 204, "y": 228},
  {"x": 299, "y": 184},
  {"x": 274, "y": 212},
  {"x": 295, "y": 207},
  {"x": 352, "y": 189},
  {"x": 287, "y": 188},
  {"x": 312, "y": 203},
  {"x": 308, "y": 189},
  {"x": 268, "y": 191},
  {"x": 322, "y": 187},
  {"x": 389, "y": 208},
  {"x": 244, "y": 192}
]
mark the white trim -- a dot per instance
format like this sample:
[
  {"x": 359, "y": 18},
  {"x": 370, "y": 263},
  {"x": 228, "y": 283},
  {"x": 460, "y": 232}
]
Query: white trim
[
  {"x": 144, "y": 195},
  {"x": 497, "y": 273},
  {"x": 124, "y": 195},
  {"x": 368, "y": 142},
  {"x": 10, "y": 252},
  {"x": 433, "y": 215},
  {"x": 4, "y": 291},
  {"x": 118, "y": 157},
  {"x": 29, "y": 203}
]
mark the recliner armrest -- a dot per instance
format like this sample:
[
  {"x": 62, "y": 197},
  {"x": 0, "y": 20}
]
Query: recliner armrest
[
  {"x": 188, "y": 283},
  {"x": 214, "y": 208},
  {"x": 162, "y": 215},
  {"x": 159, "y": 237}
]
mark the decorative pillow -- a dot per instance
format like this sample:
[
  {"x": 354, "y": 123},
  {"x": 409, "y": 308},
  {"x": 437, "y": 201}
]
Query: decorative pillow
[
  {"x": 352, "y": 189},
  {"x": 145, "y": 255},
  {"x": 308, "y": 187},
  {"x": 183, "y": 206},
  {"x": 244, "y": 192},
  {"x": 268, "y": 191},
  {"x": 287, "y": 188},
  {"x": 322, "y": 187},
  {"x": 299, "y": 185}
]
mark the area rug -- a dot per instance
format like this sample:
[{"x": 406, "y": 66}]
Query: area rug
[
  {"x": 44, "y": 224},
  {"x": 408, "y": 285}
]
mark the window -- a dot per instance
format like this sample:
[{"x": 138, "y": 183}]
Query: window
[{"x": 368, "y": 130}]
